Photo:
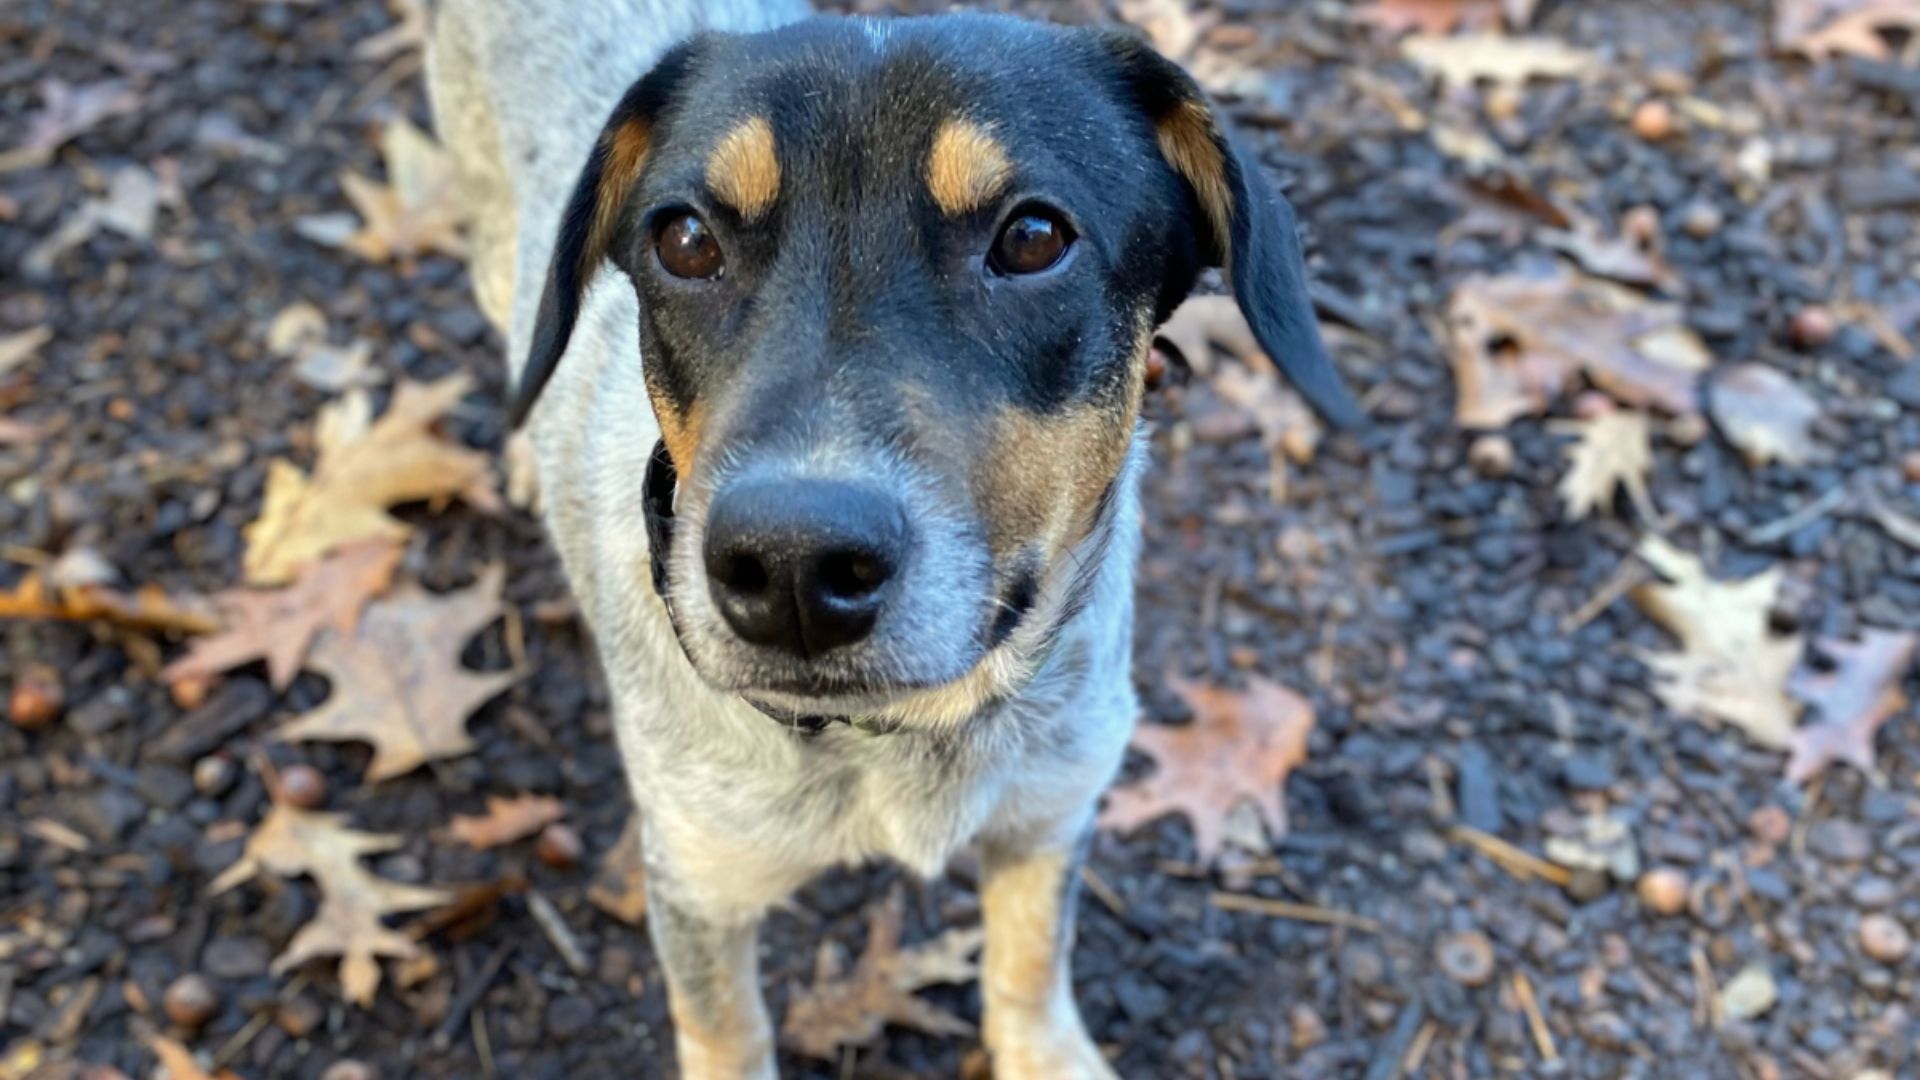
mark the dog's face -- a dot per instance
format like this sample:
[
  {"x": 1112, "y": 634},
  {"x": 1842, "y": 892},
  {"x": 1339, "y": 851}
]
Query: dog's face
[{"x": 898, "y": 282}]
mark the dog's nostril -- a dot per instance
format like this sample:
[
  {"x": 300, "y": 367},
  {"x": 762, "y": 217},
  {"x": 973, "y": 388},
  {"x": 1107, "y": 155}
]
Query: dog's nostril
[
  {"x": 852, "y": 575},
  {"x": 744, "y": 574}
]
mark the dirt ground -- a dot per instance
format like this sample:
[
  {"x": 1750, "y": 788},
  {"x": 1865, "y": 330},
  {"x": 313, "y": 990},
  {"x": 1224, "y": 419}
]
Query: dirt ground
[{"x": 1441, "y": 618}]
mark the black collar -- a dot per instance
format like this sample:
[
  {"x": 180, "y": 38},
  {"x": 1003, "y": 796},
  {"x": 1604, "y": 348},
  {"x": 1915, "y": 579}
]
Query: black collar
[{"x": 656, "y": 501}]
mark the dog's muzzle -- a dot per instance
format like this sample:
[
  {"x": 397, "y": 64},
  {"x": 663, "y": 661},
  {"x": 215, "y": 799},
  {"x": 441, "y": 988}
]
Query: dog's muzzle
[{"x": 657, "y": 490}]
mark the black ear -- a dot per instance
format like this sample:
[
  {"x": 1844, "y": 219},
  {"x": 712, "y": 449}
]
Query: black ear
[
  {"x": 594, "y": 222},
  {"x": 1250, "y": 228}
]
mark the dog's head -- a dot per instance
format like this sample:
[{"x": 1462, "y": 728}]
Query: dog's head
[{"x": 898, "y": 282}]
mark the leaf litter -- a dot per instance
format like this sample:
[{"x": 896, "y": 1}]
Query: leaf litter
[
  {"x": 1765, "y": 414},
  {"x": 415, "y": 212},
  {"x": 1851, "y": 702},
  {"x": 507, "y": 820},
  {"x": 1612, "y": 452}
]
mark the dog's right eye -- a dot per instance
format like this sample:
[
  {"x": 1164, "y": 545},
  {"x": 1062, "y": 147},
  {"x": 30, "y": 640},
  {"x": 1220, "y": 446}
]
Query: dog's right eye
[{"x": 687, "y": 248}]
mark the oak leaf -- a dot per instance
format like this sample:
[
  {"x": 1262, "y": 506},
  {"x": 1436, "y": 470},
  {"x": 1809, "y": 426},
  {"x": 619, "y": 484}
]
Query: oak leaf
[
  {"x": 506, "y": 820},
  {"x": 1731, "y": 666},
  {"x": 278, "y": 625},
  {"x": 1459, "y": 62},
  {"x": 1516, "y": 342},
  {"x": 66, "y": 112},
  {"x": 1765, "y": 414},
  {"x": 1239, "y": 747},
  {"x": 398, "y": 682},
  {"x": 845, "y": 1008},
  {"x": 1853, "y": 701},
  {"x": 354, "y": 902},
  {"x": 363, "y": 467},
  {"x": 1855, "y": 29},
  {"x": 1614, "y": 451},
  {"x": 415, "y": 212}
]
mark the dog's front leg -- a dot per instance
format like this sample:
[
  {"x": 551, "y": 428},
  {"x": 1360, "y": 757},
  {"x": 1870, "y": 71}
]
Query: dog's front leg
[
  {"x": 1033, "y": 1028},
  {"x": 721, "y": 1029}
]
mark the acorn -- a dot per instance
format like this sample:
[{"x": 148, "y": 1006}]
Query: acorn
[
  {"x": 190, "y": 1001},
  {"x": 1664, "y": 891}
]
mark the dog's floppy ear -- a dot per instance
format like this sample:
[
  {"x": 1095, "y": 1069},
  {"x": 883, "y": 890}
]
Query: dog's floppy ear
[
  {"x": 1249, "y": 228},
  {"x": 595, "y": 218}
]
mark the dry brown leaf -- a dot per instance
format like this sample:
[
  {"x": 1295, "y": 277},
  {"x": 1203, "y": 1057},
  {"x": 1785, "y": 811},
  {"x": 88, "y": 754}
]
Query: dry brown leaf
[
  {"x": 1428, "y": 16},
  {"x": 1853, "y": 701},
  {"x": 398, "y": 682},
  {"x": 1459, "y": 62},
  {"x": 1239, "y": 747},
  {"x": 1169, "y": 24},
  {"x": 1856, "y": 30},
  {"x": 1288, "y": 428},
  {"x": 1765, "y": 414},
  {"x": 620, "y": 885},
  {"x": 364, "y": 466},
  {"x": 149, "y": 608},
  {"x": 416, "y": 211},
  {"x": 1614, "y": 451},
  {"x": 354, "y": 903},
  {"x": 17, "y": 349},
  {"x": 178, "y": 1063},
  {"x": 67, "y": 111},
  {"x": 506, "y": 820},
  {"x": 851, "y": 1008},
  {"x": 1618, "y": 258},
  {"x": 1731, "y": 665},
  {"x": 1517, "y": 341},
  {"x": 279, "y": 624}
]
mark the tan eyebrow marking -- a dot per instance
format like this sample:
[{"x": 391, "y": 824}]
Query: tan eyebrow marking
[
  {"x": 966, "y": 168},
  {"x": 743, "y": 171}
]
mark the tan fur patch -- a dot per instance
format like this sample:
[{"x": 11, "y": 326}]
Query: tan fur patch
[
  {"x": 680, "y": 431},
  {"x": 1190, "y": 144},
  {"x": 1023, "y": 974},
  {"x": 743, "y": 171},
  {"x": 626, "y": 150},
  {"x": 966, "y": 168}
]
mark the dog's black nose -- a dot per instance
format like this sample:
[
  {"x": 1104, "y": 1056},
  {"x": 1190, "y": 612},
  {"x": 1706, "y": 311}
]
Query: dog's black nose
[{"x": 802, "y": 566}]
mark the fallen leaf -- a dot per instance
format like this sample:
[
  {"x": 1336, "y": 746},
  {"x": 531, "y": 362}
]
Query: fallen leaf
[
  {"x": 409, "y": 34},
  {"x": 851, "y": 1008},
  {"x": 1459, "y": 62},
  {"x": 416, "y": 211},
  {"x": 398, "y": 682},
  {"x": 1750, "y": 994},
  {"x": 1731, "y": 666},
  {"x": 178, "y": 1063},
  {"x": 1618, "y": 258},
  {"x": 1428, "y": 16},
  {"x": 1604, "y": 844},
  {"x": 1168, "y": 24},
  {"x": 364, "y": 467},
  {"x": 66, "y": 112},
  {"x": 130, "y": 207},
  {"x": 1856, "y": 30},
  {"x": 354, "y": 903},
  {"x": 1852, "y": 701},
  {"x": 1240, "y": 746},
  {"x": 506, "y": 820},
  {"x": 1613, "y": 451},
  {"x": 620, "y": 885},
  {"x": 1517, "y": 341},
  {"x": 299, "y": 333},
  {"x": 1765, "y": 414},
  {"x": 1288, "y": 428},
  {"x": 148, "y": 609},
  {"x": 279, "y": 624},
  {"x": 17, "y": 349}
]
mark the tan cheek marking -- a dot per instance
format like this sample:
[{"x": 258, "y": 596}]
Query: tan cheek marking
[
  {"x": 626, "y": 151},
  {"x": 680, "y": 431},
  {"x": 966, "y": 168},
  {"x": 1189, "y": 143},
  {"x": 743, "y": 171}
]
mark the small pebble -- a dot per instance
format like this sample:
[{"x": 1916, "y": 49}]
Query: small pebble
[
  {"x": 299, "y": 1015},
  {"x": 1664, "y": 890},
  {"x": 190, "y": 1001},
  {"x": 1653, "y": 120},
  {"x": 1688, "y": 430},
  {"x": 37, "y": 697},
  {"x": 1466, "y": 957},
  {"x": 190, "y": 693},
  {"x": 302, "y": 786},
  {"x": 1812, "y": 327},
  {"x": 1770, "y": 825},
  {"x": 213, "y": 775},
  {"x": 1702, "y": 219},
  {"x": 350, "y": 1070},
  {"x": 558, "y": 846},
  {"x": 1910, "y": 466},
  {"x": 1883, "y": 938},
  {"x": 1491, "y": 455}
]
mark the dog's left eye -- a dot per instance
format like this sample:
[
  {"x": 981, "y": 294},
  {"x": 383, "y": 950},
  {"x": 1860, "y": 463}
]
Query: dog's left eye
[
  {"x": 687, "y": 248},
  {"x": 1034, "y": 239}
]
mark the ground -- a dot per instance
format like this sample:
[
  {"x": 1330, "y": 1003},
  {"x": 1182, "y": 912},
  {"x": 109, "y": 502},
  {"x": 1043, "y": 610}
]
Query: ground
[{"x": 1436, "y": 614}]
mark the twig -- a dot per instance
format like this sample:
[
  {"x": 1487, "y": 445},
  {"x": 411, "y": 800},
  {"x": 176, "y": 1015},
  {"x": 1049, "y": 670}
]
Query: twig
[
  {"x": 1706, "y": 1003},
  {"x": 1283, "y": 909},
  {"x": 1098, "y": 886},
  {"x": 1519, "y": 863},
  {"x": 550, "y": 922},
  {"x": 1779, "y": 528},
  {"x": 255, "y": 1024},
  {"x": 482, "y": 1045},
  {"x": 1542, "y": 1038},
  {"x": 470, "y": 995},
  {"x": 1417, "y": 1054},
  {"x": 1629, "y": 575}
]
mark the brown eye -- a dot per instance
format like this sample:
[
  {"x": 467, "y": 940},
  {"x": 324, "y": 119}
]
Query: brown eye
[
  {"x": 1030, "y": 242},
  {"x": 687, "y": 247}
]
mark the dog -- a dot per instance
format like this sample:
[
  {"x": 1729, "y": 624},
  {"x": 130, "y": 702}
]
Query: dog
[{"x": 831, "y": 336}]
